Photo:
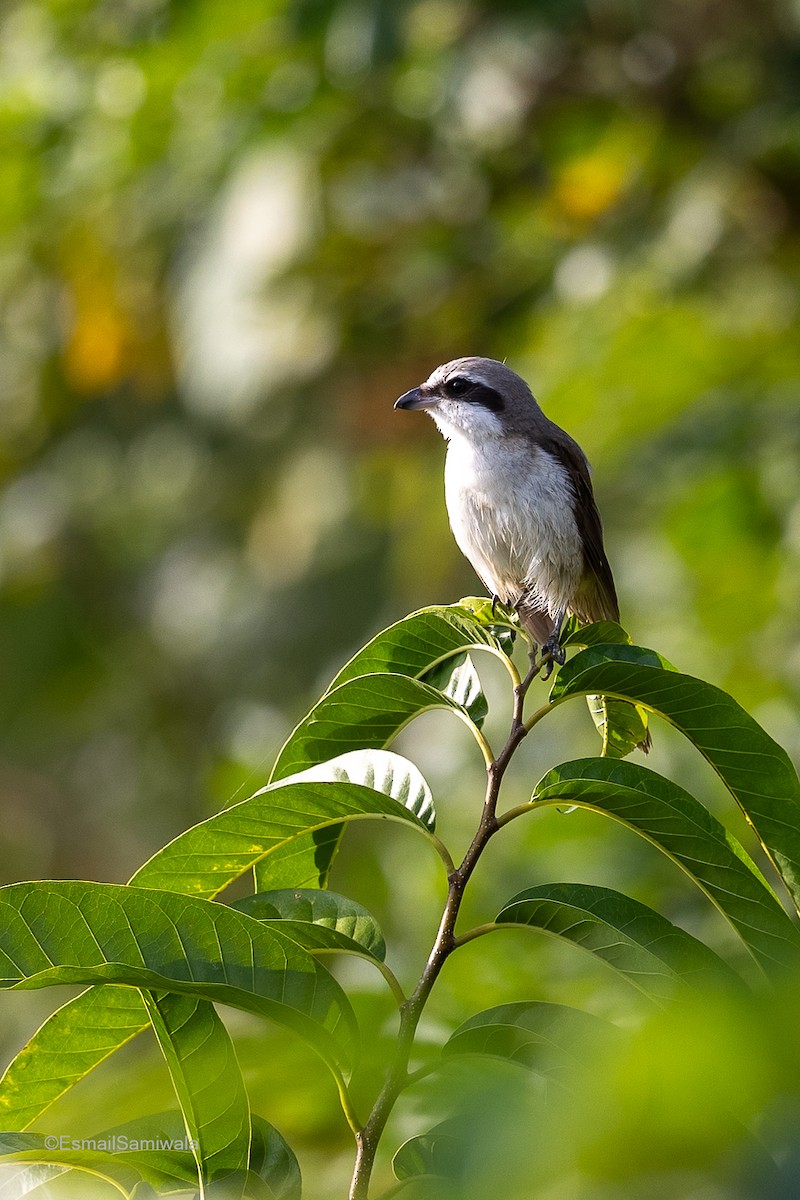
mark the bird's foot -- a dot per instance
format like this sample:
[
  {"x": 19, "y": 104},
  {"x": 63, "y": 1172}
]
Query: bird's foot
[
  {"x": 556, "y": 651},
  {"x": 495, "y": 599},
  {"x": 552, "y": 652}
]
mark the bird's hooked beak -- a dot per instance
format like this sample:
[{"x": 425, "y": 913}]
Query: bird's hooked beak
[{"x": 416, "y": 398}]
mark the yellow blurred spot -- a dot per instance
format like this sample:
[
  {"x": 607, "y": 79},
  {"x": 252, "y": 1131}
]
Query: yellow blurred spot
[
  {"x": 95, "y": 351},
  {"x": 589, "y": 185}
]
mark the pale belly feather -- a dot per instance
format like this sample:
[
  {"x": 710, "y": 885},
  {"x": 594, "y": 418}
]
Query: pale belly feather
[{"x": 511, "y": 514}]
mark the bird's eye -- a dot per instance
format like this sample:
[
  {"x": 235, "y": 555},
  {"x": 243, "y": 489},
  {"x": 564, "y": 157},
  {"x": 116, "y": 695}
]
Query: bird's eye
[{"x": 457, "y": 386}]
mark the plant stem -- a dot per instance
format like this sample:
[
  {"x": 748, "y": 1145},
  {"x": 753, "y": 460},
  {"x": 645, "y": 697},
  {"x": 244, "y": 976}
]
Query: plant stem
[{"x": 397, "y": 1077}]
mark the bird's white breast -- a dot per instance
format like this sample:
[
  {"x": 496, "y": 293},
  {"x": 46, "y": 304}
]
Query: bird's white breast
[{"x": 510, "y": 509}]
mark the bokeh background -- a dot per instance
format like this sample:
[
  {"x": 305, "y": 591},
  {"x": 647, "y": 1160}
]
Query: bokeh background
[{"x": 230, "y": 235}]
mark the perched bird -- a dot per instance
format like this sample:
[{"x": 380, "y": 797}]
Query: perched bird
[{"x": 519, "y": 498}]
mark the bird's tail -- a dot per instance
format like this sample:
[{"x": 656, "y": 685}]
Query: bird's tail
[{"x": 537, "y": 622}]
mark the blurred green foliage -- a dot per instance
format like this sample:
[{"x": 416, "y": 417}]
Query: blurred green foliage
[{"x": 230, "y": 235}]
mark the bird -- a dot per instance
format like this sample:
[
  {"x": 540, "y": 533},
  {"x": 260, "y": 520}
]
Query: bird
[{"x": 519, "y": 499}]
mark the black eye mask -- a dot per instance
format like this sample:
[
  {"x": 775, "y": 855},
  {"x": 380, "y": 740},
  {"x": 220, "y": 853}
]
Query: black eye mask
[{"x": 459, "y": 388}]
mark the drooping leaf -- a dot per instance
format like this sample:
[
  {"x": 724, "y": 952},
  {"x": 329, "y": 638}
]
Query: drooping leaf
[
  {"x": 552, "y": 1039},
  {"x": 208, "y": 1084},
  {"x": 754, "y": 768},
  {"x": 622, "y": 726},
  {"x": 273, "y": 1161},
  {"x": 326, "y": 911},
  {"x": 208, "y": 857},
  {"x": 382, "y": 770},
  {"x": 40, "y": 1160},
  {"x": 418, "y": 642},
  {"x": 71, "y": 1042},
  {"x": 639, "y": 944},
  {"x": 307, "y": 859},
  {"x": 686, "y": 831},
  {"x": 457, "y": 678},
  {"x": 68, "y": 932},
  {"x": 365, "y": 712},
  {"x": 326, "y": 934}
]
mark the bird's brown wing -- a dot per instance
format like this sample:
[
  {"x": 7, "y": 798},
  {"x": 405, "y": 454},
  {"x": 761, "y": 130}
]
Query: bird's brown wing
[{"x": 596, "y": 598}]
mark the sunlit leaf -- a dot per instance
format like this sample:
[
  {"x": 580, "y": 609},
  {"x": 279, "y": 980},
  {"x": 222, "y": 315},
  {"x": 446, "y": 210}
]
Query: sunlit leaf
[
  {"x": 418, "y": 642},
  {"x": 203, "y": 861},
  {"x": 307, "y": 859},
  {"x": 365, "y": 712},
  {"x": 67, "y": 932},
  {"x": 598, "y": 633},
  {"x": 155, "y": 1151},
  {"x": 206, "y": 858},
  {"x": 71, "y": 1042},
  {"x": 458, "y": 679},
  {"x": 383, "y": 770},
  {"x": 622, "y": 726}
]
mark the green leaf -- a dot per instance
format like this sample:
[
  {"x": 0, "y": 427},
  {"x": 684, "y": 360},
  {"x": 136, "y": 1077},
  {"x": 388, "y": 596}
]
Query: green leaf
[
  {"x": 272, "y": 1160},
  {"x": 307, "y": 860},
  {"x": 457, "y": 678},
  {"x": 67, "y": 932},
  {"x": 382, "y": 770},
  {"x": 418, "y": 642},
  {"x": 500, "y": 619},
  {"x": 365, "y": 712},
  {"x": 355, "y": 928},
  {"x": 76, "y": 1038},
  {"x": 598, "y": 633},
  {"x": 686, "y": 831},
  {"x": 551, "y": 1039},
  {"x": 754, "y": 768},
  {"x": 622, "y": 726},
  {"x": 208, "y": 1084},
  {"x": 206, "y": 858},
  {"x": 642, "y": 946},
  {"x": 439, "y": 1153},
  {"x": 203, "y": 861}
]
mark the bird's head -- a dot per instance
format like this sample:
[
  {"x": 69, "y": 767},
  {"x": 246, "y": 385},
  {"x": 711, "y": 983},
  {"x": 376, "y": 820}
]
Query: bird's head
[{"x": 474, "y": 397}]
